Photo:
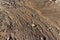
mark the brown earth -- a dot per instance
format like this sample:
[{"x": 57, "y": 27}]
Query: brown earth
[{"x": 29, "y": 20}]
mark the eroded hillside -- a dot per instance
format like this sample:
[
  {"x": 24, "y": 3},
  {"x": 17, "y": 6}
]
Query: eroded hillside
[{"x": 20, "y": 21}]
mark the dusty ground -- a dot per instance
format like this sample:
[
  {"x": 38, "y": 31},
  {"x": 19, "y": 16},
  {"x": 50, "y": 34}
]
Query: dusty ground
[{"x": 29, "y": 20}]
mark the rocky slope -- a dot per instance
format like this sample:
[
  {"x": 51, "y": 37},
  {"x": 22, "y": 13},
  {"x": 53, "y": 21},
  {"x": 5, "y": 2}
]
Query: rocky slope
[{"x": 20, "y": 21}]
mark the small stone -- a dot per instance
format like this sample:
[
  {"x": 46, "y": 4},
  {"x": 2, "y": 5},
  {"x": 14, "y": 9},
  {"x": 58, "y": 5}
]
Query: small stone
[
  {"x": 43, "y": 38},
  {"x": 59, "y": 34},
  {"x": 9, "y": 38},
  {"x": 33, "y": 25},
  {"x": 57, "y": 1},
  {"x": 50, "y": 0},
  {"x": 41, "y": 30}
]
